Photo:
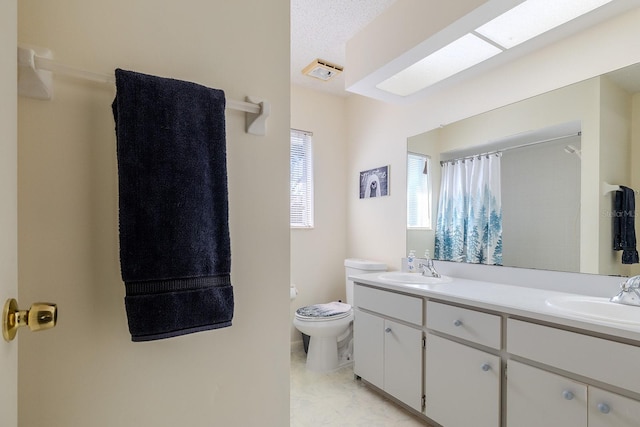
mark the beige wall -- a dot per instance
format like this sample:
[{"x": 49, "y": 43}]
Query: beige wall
[
  {"x": 317, "y": 255},
  {"x": 634, "y": 158},
  {"x": 9, "y": 205},
  {"x": 426, "y": 143},
  {"x": 87, "y": 372},
  {"x": 378, "y": 132},
  {"x": 615, "y": 165},
  {"x": 376, "y": 227}
]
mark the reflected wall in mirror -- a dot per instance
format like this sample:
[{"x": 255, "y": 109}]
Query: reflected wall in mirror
[
  {"x": 559, "y": 149},
  {"x": 541, "y": 204}
]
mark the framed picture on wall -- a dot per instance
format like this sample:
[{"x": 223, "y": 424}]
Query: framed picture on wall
[{"x": 374, "y": 182}]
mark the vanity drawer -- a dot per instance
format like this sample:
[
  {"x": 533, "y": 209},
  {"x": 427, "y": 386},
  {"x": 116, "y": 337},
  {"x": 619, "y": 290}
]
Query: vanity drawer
[
  {"x": 402, "y": 307},
  {"x": 471, "y": 325},
  {"x": 597, "y": 358}
]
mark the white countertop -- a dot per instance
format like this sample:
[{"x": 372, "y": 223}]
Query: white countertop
[{"x": 514, "y": 300}]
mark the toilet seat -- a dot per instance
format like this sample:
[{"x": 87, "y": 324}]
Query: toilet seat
[
  {"x": 324, "y": 312},
  {"x": 322, "y": 319}
]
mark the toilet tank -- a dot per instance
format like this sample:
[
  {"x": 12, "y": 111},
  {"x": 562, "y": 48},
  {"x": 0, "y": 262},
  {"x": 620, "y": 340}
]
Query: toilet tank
[{"x": 354, "y": 266}]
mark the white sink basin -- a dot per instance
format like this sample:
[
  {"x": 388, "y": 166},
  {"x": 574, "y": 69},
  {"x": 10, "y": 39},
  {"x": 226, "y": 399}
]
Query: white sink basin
[
  {"x": 412, "y": 278},
  {"x": 596, "y": 308}
]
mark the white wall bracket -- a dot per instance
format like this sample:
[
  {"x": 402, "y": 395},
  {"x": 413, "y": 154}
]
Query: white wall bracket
[
  {"x": 32, "y": 82},
  {"x": 608, "y": 188},
  {"x": 256, "y": 123}
]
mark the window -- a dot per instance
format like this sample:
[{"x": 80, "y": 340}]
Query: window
[
  {"x": 418, "y": 191},
  {"x": 301, "y": 180}
]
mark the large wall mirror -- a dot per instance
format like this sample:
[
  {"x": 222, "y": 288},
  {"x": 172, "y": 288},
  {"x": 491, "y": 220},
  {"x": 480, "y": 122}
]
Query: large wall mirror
[{"x": 561, "y": 154}]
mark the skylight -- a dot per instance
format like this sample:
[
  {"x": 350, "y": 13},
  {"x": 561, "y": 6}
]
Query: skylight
[{"x": 525, "y": 21}]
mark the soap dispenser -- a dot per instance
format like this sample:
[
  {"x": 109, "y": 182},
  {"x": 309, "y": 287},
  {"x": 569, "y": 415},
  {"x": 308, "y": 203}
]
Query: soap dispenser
[{"x": 411, "y": 261}]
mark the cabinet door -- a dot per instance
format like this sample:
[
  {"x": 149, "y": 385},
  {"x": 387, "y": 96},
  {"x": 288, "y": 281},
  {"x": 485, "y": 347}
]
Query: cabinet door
[
  {"x": 539, "y": 398},
  {"x": 612, "y": 410},
  {"x": 462, "y": 385},
  {"x": 368, "y": 347},
  {"x": 403, "y": 363}
]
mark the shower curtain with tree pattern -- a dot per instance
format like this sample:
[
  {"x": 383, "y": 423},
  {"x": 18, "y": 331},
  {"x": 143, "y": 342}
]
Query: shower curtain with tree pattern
[{"x": 469, "y": 224}]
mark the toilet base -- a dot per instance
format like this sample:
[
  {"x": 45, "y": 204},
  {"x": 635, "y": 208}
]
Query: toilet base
[
  {"x": 326, "y": 354},
  {"x": 325, "y": 338},
  {"x": 323, "y": 354}
]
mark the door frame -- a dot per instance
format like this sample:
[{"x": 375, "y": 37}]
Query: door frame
[{"x": 8, "y": 202}]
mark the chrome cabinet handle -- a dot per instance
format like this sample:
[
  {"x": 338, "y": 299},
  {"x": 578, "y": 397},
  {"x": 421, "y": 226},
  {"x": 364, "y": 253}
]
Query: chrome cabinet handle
[
  {"x": 457, "y": 322},
  {"x": 485, "y": 367},
  {"x": 604, "y": 408},
  {"x": 567, "y": 395}
]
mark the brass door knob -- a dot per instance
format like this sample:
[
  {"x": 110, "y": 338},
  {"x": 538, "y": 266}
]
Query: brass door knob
[{"x": 40, "y": 316}]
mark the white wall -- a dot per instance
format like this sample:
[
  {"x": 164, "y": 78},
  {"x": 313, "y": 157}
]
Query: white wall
[
  {"x": 378, "y": 132},
  {"x": 317, "y": 255},
  {"x": 86, "y": 371}
]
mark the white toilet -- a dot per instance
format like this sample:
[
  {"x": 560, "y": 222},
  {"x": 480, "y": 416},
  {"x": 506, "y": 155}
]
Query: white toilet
[{"x": 329, "y": 325}]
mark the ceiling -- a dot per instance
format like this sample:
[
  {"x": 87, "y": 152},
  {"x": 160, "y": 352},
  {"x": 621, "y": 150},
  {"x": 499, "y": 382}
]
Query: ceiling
[{"x": 320, "y": 29}]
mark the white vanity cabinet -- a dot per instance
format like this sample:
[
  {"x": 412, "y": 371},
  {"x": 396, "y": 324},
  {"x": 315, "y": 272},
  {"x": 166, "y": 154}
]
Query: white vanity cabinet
[
  {"x": 494, "y": 364},
  {"x": 388, "y": 343},
  {"x": 537, "y": 397},
  {"x": 608, "y": 409},
  {"x": 462, "y": 383}
]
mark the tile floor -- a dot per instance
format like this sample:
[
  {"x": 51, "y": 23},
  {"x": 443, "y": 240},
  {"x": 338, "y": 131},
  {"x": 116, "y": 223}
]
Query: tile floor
[{"x": 338, "y": 400}]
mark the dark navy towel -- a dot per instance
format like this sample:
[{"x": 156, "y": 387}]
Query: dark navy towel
[
  {"x": 624, "y": 232},
  {"x": 175, "y": 252}
]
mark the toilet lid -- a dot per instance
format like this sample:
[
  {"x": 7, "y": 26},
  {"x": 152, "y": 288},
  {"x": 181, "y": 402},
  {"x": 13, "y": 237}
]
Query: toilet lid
[{"x": 332, "y": 310}]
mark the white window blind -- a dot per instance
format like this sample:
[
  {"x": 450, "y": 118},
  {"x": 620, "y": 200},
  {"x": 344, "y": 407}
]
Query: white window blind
[
  {"x": 301, "y": 213},
  {"x": 418, "y": 191}
]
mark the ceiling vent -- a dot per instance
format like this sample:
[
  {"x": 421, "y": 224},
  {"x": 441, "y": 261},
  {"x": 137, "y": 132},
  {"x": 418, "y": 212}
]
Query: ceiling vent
[{"x": 321, "y": 69}]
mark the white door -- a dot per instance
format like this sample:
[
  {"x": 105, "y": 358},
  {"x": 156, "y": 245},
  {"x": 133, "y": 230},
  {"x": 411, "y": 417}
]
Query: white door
[
  {"x": 540, "y": 398},
  {"x": 607, "y": 409},
  {"x": 368, "y": 347},
  {"x": 462, "y": 385},
  {"x": 403, "y": 363},
  {"x": 8, "y": 204}
]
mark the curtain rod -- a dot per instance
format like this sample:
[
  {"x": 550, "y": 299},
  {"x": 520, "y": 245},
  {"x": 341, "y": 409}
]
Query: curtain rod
[
  {"x": 35, "y": 66},
  {"x": 500, "y": 151}
]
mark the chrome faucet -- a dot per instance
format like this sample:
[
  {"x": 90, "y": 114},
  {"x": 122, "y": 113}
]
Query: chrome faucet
[
  {"x": 629, "y": 292},
  {"x": 428, "y": 269}
]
